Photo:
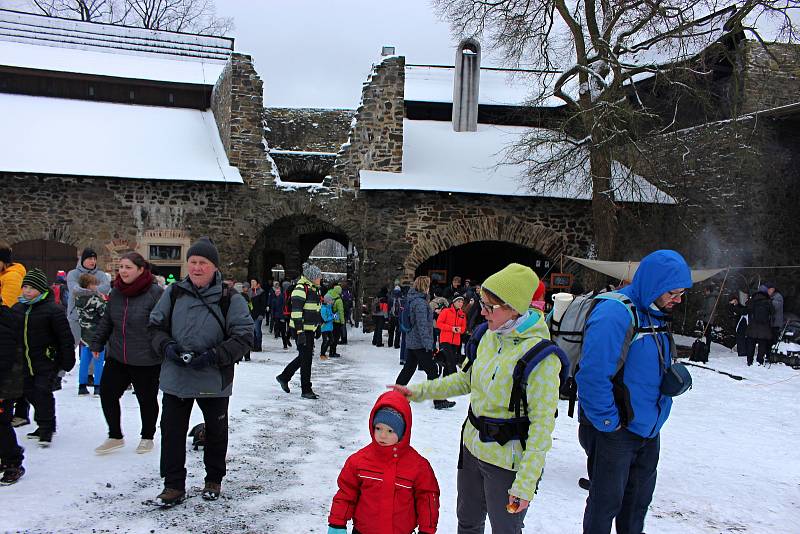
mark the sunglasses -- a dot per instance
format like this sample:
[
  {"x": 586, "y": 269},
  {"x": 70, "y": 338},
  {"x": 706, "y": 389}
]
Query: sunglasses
[{"x": 676, "y": 294}]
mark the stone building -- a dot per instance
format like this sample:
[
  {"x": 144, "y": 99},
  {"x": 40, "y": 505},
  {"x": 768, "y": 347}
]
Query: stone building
[{"x": 131, "y": 146}]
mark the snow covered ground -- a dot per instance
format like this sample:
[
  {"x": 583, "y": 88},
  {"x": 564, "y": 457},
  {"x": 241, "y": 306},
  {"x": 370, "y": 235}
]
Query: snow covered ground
[{"x": 729, "y": 458}]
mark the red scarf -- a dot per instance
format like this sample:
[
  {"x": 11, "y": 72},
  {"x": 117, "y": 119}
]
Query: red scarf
[{"x": 137, "y": 287}]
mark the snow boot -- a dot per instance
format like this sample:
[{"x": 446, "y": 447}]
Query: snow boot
[
  {"x": 170, "y": 497},
  {"x": 83, "y": 390},
  {"x": 310, "y": 395},
  {"x": 283, "y": 382},
  {"x": 211, "y": 491},
  {"x": 584, "y": 483},
  {"x": 45, "y": 438},
  {"x": 443, "y": 404},
  {"x": 11, "y": 475}
]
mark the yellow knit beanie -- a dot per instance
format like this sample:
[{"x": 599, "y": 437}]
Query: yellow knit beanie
[{"x": 514, "y": 285}]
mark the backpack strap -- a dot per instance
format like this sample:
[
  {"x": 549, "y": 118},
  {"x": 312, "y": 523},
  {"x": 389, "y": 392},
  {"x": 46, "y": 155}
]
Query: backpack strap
[
  {"x": 525, "y": 367},
  {"x": 471, "y": 348},
  {"x": 224, "y": 305}
]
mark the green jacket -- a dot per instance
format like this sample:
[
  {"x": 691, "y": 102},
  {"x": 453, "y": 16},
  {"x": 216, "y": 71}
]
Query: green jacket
[
  {"x": 488, "y": 382},
  {"x": 338, "y": 304}
]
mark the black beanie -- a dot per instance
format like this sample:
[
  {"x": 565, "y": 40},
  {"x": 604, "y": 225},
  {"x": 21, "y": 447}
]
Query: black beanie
[
  {"x": 37, "y": 280},
  {"x": 88, "y": 253},
  {"x": 204, "y": 247}
]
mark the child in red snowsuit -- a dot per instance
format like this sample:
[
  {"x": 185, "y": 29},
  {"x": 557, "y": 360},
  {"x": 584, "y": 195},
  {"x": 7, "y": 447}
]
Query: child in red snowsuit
[{"x": 387, "y": 482}]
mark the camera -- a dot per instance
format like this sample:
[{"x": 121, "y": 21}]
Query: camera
[{"x": 187, "y": 357}]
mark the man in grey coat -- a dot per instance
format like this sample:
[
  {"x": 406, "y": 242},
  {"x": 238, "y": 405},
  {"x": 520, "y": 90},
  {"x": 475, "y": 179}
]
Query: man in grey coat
[
  {"x": 776, "y": 300},
  {"x": 86, "y": 265},
  {"x": 202, "y": 329}
]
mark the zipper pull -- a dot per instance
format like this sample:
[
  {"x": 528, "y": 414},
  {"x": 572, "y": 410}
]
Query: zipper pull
[{"x": 495, "y": 372}]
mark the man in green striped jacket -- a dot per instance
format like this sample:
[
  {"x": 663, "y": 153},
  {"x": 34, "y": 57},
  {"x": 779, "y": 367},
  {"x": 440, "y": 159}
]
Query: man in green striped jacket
[{"x": 305, "y": 318}]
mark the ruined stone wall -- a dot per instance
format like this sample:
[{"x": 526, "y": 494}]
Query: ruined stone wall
[
  {"x": 375, "y": 141},
  {"x": 306, "y": 129},
  {"x": 770, "y": 82}
]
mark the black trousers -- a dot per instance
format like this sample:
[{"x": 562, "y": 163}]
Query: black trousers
[
  {"x": 622, "y": 467},
  {"x": 377, "y": 335},
  {"x": 305, "y": 354},
  {"x": 326, "y": 342},
  {"x": 342, "y": 340},
  {"x": 393, "y": 329},
  {"x": 174, "y": 428},
  {"x": 39, "y": 392},
  {"x": 336, "y": 336},
  {"x": 117, "y": 376},
  {"x": 281, "y": 331},
  {"x": 417, "y": 357},
  {"x": 451, "y": 354},
  {"x": 10, "y": 451},
  {"x": 763, "y": 349}
]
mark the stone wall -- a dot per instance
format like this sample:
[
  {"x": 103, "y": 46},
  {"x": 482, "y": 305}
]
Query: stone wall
[
  {"x": 375, "y": 140},
  {"x": 306, "y": 129},
  {"x": 769, "y": 82}
]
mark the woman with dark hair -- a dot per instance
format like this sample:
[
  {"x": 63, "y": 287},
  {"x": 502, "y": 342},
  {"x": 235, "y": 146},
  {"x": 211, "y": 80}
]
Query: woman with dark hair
[
  {"x": 419, "y": 341},
  {"x": 130, "y": 358}
]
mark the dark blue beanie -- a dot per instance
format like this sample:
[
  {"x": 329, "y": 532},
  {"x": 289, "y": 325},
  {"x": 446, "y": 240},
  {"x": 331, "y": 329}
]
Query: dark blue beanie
[{"x": 391, "y": 418}]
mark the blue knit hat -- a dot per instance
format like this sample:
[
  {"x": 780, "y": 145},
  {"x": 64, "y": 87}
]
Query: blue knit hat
[{"x": 391, "y": 418}]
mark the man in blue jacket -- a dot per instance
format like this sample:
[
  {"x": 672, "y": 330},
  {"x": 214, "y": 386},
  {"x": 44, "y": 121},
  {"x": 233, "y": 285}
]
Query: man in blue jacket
[{"x": 621, "y": 413}]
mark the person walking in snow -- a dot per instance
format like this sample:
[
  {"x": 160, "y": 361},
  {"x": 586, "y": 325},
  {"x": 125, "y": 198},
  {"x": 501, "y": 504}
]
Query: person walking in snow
[
  {"x": 91, "y": 308},
  {"x": 622, "y": 439},
  {"x": 130, "y": 358},
  {"x": 86, "y": 265},
  {"x": 776, "y": 299},
  {"x": 395, "y": 307},
  {"x": 387, "y": 487},
  {"x": 452, "y": 323},
  {"x": 494, "y": 479},
  {"x": 306, "y": 319},
  {"x": 202, "y": 330},
  {"x": 419, "y": 341},
  {"x": 759, "y": 325},
  {"x": 339, "y": 321},
  {"x": 326, "y": 311},
  {"x": 48, "y": 347},
  {"x": 258, "y": 298},
  {"x": 11, "y": 380}
]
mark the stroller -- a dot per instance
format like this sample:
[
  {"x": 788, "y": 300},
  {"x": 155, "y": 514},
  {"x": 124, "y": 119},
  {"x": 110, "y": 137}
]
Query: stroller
[{"x": 787, "y": 349}]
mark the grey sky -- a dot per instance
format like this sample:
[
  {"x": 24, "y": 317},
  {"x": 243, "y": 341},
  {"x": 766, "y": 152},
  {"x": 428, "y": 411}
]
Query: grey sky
[{"x": 317, "y": 53}]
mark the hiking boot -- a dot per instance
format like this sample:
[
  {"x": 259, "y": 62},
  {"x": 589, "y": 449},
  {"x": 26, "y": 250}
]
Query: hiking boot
[
  {"x": 443, "y": 404},
  {"x": 19, "y": 421},
  {"x": 83, "y": 390},
  {"x": 97, "y": 391},
  {"x": 211, "y": 491},
  {"x": 283, "y": 382},
  {"x": 11, "y": 475},
  {"x": 45, "y": 438},
  {"x": 336, "y": 355},
  {"x": 310, "y": 395},
  {"x": 170, "y": 497},
  {"x": 145, "y": 446},
  {"x": 110, "y": 445},
  {"x": 33, "y": 435},
  {"x": 584, "y": 483}
]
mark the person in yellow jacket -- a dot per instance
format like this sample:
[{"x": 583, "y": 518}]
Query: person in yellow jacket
[
  {"x": 501, "y": 480},
  {"x": 11, "y": 275}
]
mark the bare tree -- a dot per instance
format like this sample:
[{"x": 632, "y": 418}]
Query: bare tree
[
  {"x": 194, "y": 16},
  {"x": 591, "y": 57}
]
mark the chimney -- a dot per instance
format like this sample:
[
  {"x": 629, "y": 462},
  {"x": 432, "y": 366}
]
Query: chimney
[{"x": 466, "y": 85}]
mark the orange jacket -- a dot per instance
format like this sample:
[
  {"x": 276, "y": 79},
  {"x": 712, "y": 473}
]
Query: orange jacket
[
  {"x": 447, "y": 321},
  {"x": 11, "y": 283}
]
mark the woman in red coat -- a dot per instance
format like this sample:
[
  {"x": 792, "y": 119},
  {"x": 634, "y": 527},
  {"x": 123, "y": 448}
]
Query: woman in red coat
[
  {"x": 452, "y": 322},
  {"x": 387, "y": 482}
]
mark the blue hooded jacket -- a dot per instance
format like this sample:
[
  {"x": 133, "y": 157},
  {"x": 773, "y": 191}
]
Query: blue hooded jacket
[{"x": 658, "y": 273}]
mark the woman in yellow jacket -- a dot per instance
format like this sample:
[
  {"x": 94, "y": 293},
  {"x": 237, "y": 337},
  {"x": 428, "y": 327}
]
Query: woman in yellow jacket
[
  {"x": 11, "y": 275},
  {"x": 494, "y": 479}
]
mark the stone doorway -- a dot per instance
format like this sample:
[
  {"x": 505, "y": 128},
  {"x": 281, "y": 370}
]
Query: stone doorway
[{"x": 49, "y": 256}]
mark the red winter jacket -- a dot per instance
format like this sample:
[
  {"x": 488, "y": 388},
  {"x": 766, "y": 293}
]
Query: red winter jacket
[
  {"x": 381, "y": 486},
  {"x": 449, "y": 318}
]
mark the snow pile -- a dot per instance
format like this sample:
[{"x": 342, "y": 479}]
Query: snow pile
[
  {"x": 41, "y": 135},
  {"x": 435, "y": 158},
  {"x": 729, "y": 460}
]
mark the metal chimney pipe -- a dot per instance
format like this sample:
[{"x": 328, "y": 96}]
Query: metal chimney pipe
[{"x": 466, "y": 85}]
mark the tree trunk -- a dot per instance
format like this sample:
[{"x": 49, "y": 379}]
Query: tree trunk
[{"x": 604, "y": 212}]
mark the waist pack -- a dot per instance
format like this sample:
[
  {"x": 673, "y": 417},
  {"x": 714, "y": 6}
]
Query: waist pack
[{"x": 676, "y": 380}]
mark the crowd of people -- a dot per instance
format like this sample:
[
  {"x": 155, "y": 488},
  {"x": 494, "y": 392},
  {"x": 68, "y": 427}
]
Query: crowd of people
[{"x": 185, "y": 339}]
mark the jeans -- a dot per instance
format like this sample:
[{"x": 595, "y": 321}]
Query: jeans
[
  {"x": 622, "y": 470},
  {"x": 257, "y": 335},
  {"x": 83, "y": 369},
  {"x": 174, "y": 428},
  {"x": 118, "y": 376},
  {"x": 305, "y": 354}
]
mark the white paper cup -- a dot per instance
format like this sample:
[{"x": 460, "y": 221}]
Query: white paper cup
[{"x": 560, "y": 303}]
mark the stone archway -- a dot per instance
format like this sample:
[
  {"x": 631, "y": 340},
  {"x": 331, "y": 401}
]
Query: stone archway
[{"x": 550, "y": 243}]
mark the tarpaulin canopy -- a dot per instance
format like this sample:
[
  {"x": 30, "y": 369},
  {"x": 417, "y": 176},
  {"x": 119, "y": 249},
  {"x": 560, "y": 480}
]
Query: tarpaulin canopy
[{"x": 624, "y": 270}]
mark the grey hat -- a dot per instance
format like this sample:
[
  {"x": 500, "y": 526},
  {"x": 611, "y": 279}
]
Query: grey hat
[
  {"x": 204, "y": 247},
  {"x": 311, "y": 271}
]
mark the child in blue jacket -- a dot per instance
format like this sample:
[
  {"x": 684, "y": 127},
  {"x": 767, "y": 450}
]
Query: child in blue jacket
[{"x": 327, "y": 325}]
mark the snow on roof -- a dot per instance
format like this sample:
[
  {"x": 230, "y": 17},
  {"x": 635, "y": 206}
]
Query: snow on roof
[
  {"x": 43, "y": 135},
  {"x": 434, "y": 83},
  {"x": 47, "y": 43},
  {"x": 435, "y": 158}
]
